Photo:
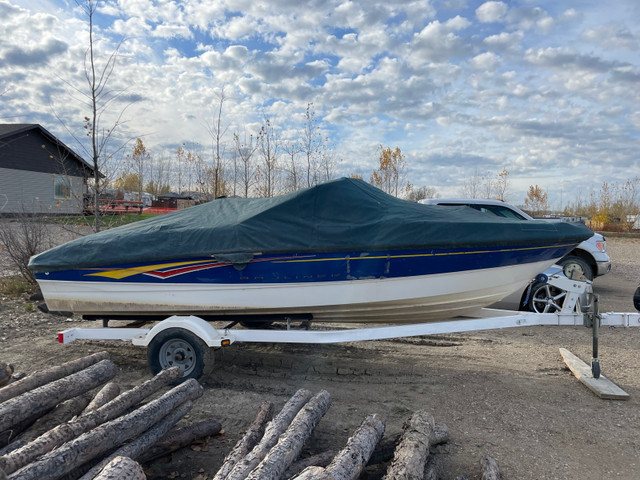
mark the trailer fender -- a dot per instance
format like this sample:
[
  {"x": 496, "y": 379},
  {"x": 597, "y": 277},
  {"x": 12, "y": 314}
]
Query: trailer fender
[{"x": 211, "y": 336}]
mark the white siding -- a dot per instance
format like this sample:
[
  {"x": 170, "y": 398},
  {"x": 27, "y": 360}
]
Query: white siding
[{"x": 32, "y": 192}]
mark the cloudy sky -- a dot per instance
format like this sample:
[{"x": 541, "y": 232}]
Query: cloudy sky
[{"x": 549, "y": 90}]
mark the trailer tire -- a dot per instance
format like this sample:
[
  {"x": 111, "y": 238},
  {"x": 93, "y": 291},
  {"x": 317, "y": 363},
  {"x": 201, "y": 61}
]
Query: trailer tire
[{"x": 177, "y": 346}]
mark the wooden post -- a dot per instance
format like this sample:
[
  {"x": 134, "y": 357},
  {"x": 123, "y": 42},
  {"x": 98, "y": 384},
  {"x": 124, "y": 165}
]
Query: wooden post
[
  {"x": 39, "y": 378},
  {"x": 271, "y": 434},
  {"x": 250, "y": 439},
  {"x": 412, "y": 452},
  {"x": 107, "y": 436},
  {"x": 282, "y": 455},
  {"x": 43, "y": 398},
  {"x": 70, "y": 430}
]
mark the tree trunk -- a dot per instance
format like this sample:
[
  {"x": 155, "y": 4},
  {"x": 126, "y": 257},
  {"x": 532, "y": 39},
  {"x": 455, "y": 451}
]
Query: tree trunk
[
  {"x": 139, "y": 445},
  {"x": 282, "y": 455},
  {"x": 352, "y": 459},
  {"x": 180, "y": 437},
  {"x": 313, "y": 473},
  {"x": 107, "y": 393},
  {"x": 250, "y": 439},
  {"x": 5, "y": 373},
  {"x": 122, "y": 468},
  {"x": 43, "y": 398},
  {"x": 63, "y": 412},
  {"x": 271, "y": 434},
  {"x": 107, "y": 436},
  {"x": 37, "y": 379},
  {"x": 490, "y": 470},
  {"x": 321, "y": 459},
  {"x": 70, "y": 430},
  {"x": 413, "y": 450}
]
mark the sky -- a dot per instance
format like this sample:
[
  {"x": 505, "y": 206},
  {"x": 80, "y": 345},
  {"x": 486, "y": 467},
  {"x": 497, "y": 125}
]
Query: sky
[{"x": 549, "y": 90}]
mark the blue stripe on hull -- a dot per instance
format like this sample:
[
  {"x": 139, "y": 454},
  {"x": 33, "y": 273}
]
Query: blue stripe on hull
[{"x": 314, "y": 267}]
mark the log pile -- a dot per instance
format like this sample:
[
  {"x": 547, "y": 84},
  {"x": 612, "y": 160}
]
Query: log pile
[{"x": 70, "y": 421}]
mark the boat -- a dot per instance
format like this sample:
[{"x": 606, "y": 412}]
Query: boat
[{"x": 342, "y": 251}]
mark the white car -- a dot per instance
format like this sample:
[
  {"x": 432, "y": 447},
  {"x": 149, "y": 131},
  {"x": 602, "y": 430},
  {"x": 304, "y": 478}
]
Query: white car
[{"x": 588, "y": 260}]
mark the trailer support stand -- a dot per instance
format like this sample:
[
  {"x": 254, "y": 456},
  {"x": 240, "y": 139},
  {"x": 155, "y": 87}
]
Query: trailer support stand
[{"x": 595, "y": 325}]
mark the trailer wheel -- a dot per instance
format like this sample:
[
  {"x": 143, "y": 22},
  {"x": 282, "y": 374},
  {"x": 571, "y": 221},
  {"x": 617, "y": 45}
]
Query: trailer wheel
[{"x": 179, "y": 347}]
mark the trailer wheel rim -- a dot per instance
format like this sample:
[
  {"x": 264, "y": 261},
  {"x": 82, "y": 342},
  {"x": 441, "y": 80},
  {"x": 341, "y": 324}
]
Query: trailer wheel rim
[{"x": 178, "y": 352}]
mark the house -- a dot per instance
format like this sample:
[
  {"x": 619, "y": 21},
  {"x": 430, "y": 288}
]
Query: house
[{"x": 39, "y": 173}]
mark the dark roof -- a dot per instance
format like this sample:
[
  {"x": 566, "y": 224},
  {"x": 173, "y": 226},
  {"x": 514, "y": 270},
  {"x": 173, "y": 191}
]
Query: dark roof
[{"x": 9, "y": 129}]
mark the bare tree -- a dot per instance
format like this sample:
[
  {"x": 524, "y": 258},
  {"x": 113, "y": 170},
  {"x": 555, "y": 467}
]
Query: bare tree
[
  {"x": 502, "y": 184},
  {"x": 292, "y": 149},
  {"x": 536, "y": 201},
  {"x": 420, "y": 193},
  {"x": 24, "y": 237},
  {"x": 391, "y": 172},
  {"x": 269, "y": 146},
  {"x": 312, "y": 143},
  {"x": 139, "y": 161},
  {"x": 217, "y": 131},
  {"x": 471, "y": 187},
  {"x": 246, "y": 171}
]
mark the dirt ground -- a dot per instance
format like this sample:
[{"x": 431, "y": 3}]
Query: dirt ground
[{"x": 502, "y": 392}]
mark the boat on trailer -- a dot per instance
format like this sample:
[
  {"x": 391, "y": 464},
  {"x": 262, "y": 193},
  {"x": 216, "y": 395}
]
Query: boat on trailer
[{"x": 343, "y": 251}]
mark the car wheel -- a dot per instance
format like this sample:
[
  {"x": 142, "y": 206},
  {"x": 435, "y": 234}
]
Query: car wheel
[
  {"x": 574, "y": 267},
  {"x": 636, "y": 298},
  {"x": 545, "y": 298}
]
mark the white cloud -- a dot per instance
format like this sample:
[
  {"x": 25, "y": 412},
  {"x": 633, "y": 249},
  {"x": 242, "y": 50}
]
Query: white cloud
[
  {"x": 491, "y": 12},
  {"x": 485, "y": 61}
]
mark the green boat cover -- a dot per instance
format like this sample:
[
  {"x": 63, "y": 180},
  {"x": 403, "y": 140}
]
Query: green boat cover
[{"x": 347, "y": 215}]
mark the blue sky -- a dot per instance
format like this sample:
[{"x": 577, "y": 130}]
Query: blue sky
[{"x": 549, "y": 90}]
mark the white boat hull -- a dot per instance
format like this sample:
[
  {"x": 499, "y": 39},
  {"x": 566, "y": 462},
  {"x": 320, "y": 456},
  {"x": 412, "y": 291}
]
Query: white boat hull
[{"x": 395, "y": 300}]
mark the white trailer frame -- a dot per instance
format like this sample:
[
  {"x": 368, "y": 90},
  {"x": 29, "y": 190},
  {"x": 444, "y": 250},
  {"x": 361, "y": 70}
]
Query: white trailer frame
[{"x": 487, "y": 319}]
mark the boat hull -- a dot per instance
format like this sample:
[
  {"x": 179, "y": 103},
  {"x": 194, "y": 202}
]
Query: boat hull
[{"x": 381, "y": 296}]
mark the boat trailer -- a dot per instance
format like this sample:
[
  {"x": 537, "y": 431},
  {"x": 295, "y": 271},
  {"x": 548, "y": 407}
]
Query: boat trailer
[{"x": 188, "y": 341}]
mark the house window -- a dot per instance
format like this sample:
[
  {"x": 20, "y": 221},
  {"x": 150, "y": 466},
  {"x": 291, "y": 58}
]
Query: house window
[{"x": 61, "y": 187}]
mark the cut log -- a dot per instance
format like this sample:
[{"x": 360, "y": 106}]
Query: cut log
[
  {"x": 107, "y": 393},
  {"x": 249, "y": 440},
  {"x": 271, "y": 434},
  {"x": 63, "y": 412},
  {"x": 107, "y": 436},
  {"x": 321, "y": 459},
  {"x": 41, "y": 399},
  {"x": 351, "y": 460},
  {"x": 179, "y": 437},
  {"x": 6, "y": 370},
  {"x": 412, "y": 452},
  {"x": 440, "y": 434},
  {"x": 490, "y": 470},
  {"x": 282, "y": 455},
  {"x": 386, "y": 447},
  {"x": 122, "y": 468},
  {"x": 139, "y": 445},
  {"x": 40, "y": 378},
  {"x": 70, "y": 430}
]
